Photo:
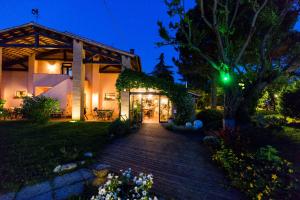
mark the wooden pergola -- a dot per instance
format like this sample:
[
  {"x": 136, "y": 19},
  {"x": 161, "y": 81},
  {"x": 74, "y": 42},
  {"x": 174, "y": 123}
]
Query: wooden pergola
[
  {"x": 47, "y": 44},
  {"x": 19, "y": 44}
]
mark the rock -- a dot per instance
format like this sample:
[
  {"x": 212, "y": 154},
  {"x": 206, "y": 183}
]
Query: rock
[
  {"x": 57, "y": 169},
  {"x": 61, "y": 168},
  {"x": 198, "y": 124},
  {"x": 188, "y": 125},
  {"x": 88, "y": 154}
]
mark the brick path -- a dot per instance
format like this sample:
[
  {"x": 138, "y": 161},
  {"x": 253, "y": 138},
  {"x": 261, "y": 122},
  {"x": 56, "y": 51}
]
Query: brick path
[{"x": 179, "y": 163}]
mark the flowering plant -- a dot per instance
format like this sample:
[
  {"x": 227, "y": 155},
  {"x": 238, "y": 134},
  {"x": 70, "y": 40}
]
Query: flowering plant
[
  {"x": 126, "y": 186},
  {"x": 261, "y": 175}
]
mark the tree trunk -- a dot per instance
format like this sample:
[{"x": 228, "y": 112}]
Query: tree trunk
[
  {"x": 213, "y": 93},
  {"x": 230, "y": 107},
  {"x": 249, "y": 102}
]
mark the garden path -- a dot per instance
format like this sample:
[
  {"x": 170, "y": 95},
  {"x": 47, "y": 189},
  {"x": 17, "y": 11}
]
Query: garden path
[{"x": 179, "y": 163}]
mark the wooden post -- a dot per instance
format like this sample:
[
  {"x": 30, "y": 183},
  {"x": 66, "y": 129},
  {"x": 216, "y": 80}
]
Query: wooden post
[
  {"x": 1, "y": 86},
  {"x": 78, "y": 81},
  {"x": 30, "y": 73},
  {"x": 95, "y": 84}
]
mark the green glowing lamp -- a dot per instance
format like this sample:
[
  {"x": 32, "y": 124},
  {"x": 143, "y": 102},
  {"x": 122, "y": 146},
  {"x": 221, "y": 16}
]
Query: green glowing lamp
[{"x": 225, "y": 77}]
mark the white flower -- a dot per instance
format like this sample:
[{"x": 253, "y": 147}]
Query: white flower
[{"x": 144, "y": 193}]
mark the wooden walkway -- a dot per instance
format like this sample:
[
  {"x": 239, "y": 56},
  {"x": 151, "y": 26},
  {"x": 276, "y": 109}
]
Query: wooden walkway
[{"x": 179, "y": 163}]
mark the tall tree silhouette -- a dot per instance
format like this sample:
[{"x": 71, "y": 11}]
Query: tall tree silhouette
[{"x": 162, "y": 70}]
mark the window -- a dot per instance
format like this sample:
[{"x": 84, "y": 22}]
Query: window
[
  {"x": 110, "y": 96},
  {"x": 66, "y": 68},
  {"x": 21, "y": 93}
]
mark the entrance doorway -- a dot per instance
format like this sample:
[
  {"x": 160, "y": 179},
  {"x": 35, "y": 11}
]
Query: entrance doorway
[{"x": 150, "y": 107}]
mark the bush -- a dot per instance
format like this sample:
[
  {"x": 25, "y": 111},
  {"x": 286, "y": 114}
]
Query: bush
[
  {"x": 290, "y": 104},
  {"x": 212, "y": 142},
  {"x": 261, "y": 175},
  {"x": 212, "y": 119},
  {"x": 126, "y": 186},
  {"x": 38, "y": 109},
  {"x": 2, "y": 102},
  {"x": 119, "y": 127},
  {"x": 268, "y": 121}
]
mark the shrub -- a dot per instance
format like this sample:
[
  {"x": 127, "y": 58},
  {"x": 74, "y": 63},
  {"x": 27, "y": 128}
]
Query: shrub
[
  {"x": 261, "y": 175},
  {"x": 2, "y": 102},
  {"x": 126, "y": 186},
  {"x": 212, "y": 142},
  {"x": 119, "y": 127},
  {"x": 268, "y": 121},
  {"x": 212, "y": 119},
  {"x": 290, "y": 104},
  {"x": 38, "y": 109}
]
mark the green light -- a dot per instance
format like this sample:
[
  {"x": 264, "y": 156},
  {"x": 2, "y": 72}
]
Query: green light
[{"x": 225, "y": 77}]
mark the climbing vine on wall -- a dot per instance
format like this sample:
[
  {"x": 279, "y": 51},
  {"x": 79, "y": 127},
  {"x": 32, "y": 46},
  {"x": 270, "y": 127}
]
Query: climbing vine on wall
[{"x": 179, "y": 96}]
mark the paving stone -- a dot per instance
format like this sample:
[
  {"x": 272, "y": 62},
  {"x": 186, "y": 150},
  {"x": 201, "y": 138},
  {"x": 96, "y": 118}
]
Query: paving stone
[
  {"x": 68, "y": 191},
  {"x": 67, "y": 179},
  {"x": 100, "y": 166},
  {"x": 29, "y": 192},
  {"x": 45, "y": 196},
  {"x": 86, "y": 174},
  {"x": 8, "y": 196}
]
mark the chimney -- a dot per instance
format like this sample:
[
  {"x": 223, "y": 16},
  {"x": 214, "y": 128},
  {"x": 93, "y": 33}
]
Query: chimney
[{"x": 131, "y": 51}]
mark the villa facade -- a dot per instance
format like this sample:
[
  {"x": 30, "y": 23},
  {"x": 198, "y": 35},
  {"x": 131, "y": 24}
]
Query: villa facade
[{"x": 80, "y": 73}]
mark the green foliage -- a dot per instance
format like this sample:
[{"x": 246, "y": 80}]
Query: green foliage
[
  {"x": 2, "y": 102},
  {"x": 212, "y": 119},
  {"x": 268, "y": 121},
  {"x": 261, "y": 175},
  {"x": 119, "y": 128},
  {"x": 38, "y": 109},
  {"x": 180, "y": 98},
  {"x": 290, "y": 104}
]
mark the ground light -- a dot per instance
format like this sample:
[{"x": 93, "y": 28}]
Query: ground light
[{"x": 72, "y": 121}]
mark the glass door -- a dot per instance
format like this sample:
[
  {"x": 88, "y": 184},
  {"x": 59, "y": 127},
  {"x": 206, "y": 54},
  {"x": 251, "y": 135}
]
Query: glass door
[
  {"x": 136, "y": 107},
  {"x": 165, "y": 109}
]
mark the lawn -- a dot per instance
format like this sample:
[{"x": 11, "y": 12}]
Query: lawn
[{"x": 29, "y": 152}]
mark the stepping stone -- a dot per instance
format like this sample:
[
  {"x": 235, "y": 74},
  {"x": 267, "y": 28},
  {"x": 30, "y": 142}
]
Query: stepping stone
[
  {"x": 86, "y": 174},
  {"x": 67, "y": 179},
  {"x": 68, "y": 191},
  {"x": 8, "y": 196},
  {"x": 45, "y": 196},
  {"x": 29, "y": 192}
]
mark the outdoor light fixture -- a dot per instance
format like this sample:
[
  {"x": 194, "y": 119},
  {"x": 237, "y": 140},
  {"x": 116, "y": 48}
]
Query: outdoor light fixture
[
  {"x": 225, "y": 77},
  {"x": 72, "y": 121},
  {"x": 51, "y": 67}
]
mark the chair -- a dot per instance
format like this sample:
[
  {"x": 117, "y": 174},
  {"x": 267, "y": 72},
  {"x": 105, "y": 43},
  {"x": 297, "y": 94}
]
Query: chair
[{"x": 109, "y": 114}]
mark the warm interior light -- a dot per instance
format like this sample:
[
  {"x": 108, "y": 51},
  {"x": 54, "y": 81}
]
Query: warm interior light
[
  {"x": 51, "y": 67},
  {"x": 95, "y": 99},
  {"x": 150, "y": 96}
]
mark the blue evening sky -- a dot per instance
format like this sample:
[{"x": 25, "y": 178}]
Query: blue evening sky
[{"x": 123, "y": 24}]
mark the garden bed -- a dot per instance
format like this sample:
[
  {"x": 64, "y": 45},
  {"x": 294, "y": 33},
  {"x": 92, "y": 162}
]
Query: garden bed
[{"x": 30, "y": 152}]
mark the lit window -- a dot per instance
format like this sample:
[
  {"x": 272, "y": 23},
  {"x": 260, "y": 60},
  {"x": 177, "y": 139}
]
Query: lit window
[
  {"x": 21, "y": 93},
  {"x": 110, "y": 96}
]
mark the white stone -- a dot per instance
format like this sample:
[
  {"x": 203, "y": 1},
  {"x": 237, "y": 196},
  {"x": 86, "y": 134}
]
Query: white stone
[
  {"x": 188, "y": 125},
  {"x": 88, "y": 154},
  {"x": 61, "y": 168},
  {"x": 198, "y": 124}
]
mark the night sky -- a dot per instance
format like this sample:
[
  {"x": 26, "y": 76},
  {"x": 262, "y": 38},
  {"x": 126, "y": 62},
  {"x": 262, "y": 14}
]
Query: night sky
[{"x": 123, "y": 24}]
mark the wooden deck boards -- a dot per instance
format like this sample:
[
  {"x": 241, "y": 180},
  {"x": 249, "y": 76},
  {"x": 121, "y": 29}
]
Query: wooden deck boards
[{"x": 179, "y": 163}]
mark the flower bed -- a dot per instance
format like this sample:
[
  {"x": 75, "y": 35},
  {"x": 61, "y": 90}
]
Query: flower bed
[
  {"x": 126, "y": 186},
  {"x": 261, "y": 175}
]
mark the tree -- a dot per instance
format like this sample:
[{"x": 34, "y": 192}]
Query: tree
[
  {"x": 162, "y": 70},
  {"x": 249, "y": 43}
]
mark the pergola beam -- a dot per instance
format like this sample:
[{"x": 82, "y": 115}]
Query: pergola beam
[{"x": 36, "y": 46}]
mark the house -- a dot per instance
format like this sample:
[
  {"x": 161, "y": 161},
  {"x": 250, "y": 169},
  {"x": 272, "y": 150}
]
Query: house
[{"x": 79, "y": 72}]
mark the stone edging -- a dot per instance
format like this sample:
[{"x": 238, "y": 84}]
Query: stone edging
[{"x": 59, "y": 188}]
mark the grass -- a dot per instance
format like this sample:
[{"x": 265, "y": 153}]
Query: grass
[{"x": 30, "y": 152}]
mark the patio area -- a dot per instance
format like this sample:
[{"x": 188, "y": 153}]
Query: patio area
[{"x": 179, "y": 163}]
